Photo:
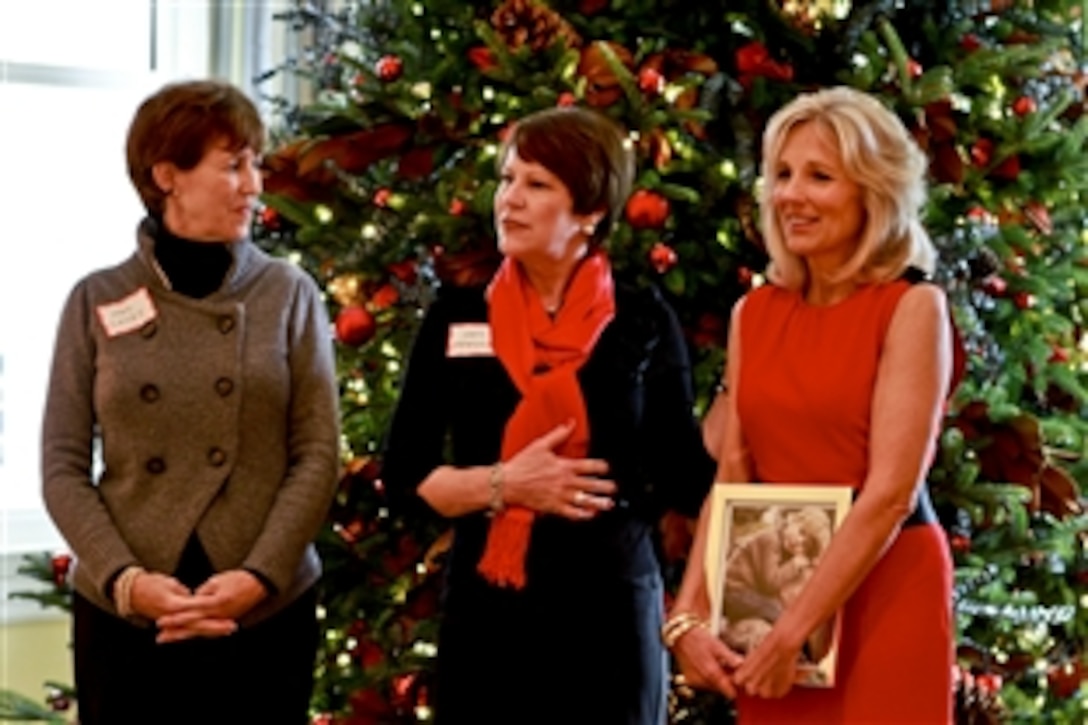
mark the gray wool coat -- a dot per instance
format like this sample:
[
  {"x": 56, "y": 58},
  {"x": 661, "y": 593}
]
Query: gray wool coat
[{"x": 216, "y": 416}]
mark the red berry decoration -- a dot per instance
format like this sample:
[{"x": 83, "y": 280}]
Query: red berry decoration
[
  {"x": 389, "y": 68},
  {"x": 354, "y": 325},
  {"x": 647, "y": 209},
  {"x": 457, "y": 207},
  {"x": 381, "y": 197},
  {"x": 566, "y": 98},
  {"x": 662, "y": 257},
  {"x": 651, "y": 81},
  {"x": 1023, "y": 105},
  {"x": 914, "y": 68}
]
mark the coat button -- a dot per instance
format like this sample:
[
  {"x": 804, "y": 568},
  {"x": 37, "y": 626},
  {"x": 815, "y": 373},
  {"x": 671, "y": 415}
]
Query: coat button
[
  {"x": 155, "y": 465},
  {"x": 148, "y": 331},
  {"x": 217, "y": 457},
  {"x": 149, "y": 393},
  {"x": 226, "y": 324},
  {"x": 224, "y": 386}
]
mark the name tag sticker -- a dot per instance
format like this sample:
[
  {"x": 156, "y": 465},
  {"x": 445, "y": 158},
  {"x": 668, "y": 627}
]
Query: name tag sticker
[
  {"x": 469, "y": 339},
  {"x": 127, "y": 314}
]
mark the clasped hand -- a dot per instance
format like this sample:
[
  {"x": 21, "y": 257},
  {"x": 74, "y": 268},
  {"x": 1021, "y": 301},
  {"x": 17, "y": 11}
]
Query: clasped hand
[
  {"x": 211, "y": 610},
  {"x": 538, "y": 478},
  {"x": 707, "y": 663}
]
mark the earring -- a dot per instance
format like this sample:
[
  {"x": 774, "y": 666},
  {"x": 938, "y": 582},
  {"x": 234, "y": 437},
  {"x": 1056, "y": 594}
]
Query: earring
[{"x": 588, "y": 229}]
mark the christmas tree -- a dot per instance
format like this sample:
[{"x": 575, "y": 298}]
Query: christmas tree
[
  {"x": 380, "y": 183},
  {"x": 381, "y": 186}
]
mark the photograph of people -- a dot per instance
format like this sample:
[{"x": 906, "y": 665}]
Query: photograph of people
[
  {"x": 837, "y": 372},
  {"x": 190, "y": 440},
  {"x": 766, "y": 569},
  {"x": 563, "y": 398}
]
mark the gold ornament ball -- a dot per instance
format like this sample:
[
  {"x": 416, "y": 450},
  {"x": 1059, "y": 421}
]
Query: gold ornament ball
[{"x": 346, "y": 289}]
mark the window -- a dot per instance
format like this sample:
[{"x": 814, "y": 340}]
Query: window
[{"x": 66, "y": 98}]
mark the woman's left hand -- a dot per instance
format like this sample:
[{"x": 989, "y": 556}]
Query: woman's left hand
[
  {"x": 223, "y": 598},
  {"x": 770, "y": 669}
]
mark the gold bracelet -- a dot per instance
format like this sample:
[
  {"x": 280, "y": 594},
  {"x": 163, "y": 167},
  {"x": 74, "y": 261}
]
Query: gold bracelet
[
  {"x": 678, "y": 625},
  {"x": 494, "y": 483},
  {"x": 122, "y": 590}
]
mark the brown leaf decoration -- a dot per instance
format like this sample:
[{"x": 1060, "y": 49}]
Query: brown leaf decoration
[
  {"x": 602, "y": 85},
  {"x": 354, "y": 152},
  {"x": 1058, "y": 492}
]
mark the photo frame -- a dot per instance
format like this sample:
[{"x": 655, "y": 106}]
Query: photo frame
[{"x": 763, "y": 543}]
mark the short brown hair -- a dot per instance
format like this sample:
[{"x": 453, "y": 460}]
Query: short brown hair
[
  {"x": 179, "y": 123},
  {"x": 587, "y": 151}
]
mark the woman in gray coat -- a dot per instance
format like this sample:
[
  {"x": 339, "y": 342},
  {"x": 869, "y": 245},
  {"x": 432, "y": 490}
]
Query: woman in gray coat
[{"x": 190, "y": 440}]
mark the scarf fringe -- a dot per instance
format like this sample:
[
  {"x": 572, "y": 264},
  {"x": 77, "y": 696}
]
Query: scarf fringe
[{"x": 503, "y": 562}]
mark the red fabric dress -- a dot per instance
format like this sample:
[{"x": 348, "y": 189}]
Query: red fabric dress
[{"x": 806, "y": 384}]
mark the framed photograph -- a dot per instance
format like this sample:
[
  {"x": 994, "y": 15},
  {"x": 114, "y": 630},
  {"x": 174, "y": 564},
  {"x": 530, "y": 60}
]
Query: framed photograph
[{"x": 764, "y": 542}]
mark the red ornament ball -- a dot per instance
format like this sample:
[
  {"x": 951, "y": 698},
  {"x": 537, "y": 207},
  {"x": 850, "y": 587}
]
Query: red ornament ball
[
  {"x": 1024, "y": 105},
  {"x": 389, "y": 68},
  {"x": 995, "y": 286},
  {"x": 61, "y": 563},
  {"x": 1064, "y": 679},
  {"x": 662, "y": 257},
  {"x": 270, "y": 217},
  {"x": 1024, "y": 300},
  {"x": 566, "y": 98},
  {"x": 647, "y": 209},
  {"x": 651, "y": 81},
  {"x": 457, "y": 207},
  {"x": 381, "y": 197},
  {"x": 354, "y": 325},
  {"x": 960, "y": 544}
]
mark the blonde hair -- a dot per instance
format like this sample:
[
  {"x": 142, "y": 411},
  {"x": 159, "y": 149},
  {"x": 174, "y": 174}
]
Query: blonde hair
[
  {"x": 815, "y": 526},
  {"x": 879, "y": 155}
]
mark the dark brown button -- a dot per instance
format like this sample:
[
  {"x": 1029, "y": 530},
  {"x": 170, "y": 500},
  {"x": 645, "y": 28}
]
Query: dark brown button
[
  {"x": 149, "y": 393},
  {"x": 155, "y": 465},
  {"x": 224, "y": 386},
  {"x": 217, "y": 457},
  {"x": 148, "y": 331},
  {"x": 226, "y": 324}
]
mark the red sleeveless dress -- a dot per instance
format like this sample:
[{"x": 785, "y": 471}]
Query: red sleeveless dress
[{"x": 804, "y": 397}]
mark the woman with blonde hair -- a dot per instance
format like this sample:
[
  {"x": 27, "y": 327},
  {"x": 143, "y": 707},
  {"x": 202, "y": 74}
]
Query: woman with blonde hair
[{"x": 838, "y": 372}]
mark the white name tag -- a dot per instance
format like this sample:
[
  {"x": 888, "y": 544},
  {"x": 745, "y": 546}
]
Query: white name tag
[
  {"x": 469, "y": 339},
  {"x": 127, "y": 314}
]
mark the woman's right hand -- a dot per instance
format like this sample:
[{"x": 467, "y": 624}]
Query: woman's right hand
[
  {"x": 538, "y": 478},
  {"x": 706, "y": 662}
]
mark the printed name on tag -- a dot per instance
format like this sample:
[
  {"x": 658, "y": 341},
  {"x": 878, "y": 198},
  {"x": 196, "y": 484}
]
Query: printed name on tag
[
  {"x": 469, "y": 339},
  {"x": 127, "y": 314}
]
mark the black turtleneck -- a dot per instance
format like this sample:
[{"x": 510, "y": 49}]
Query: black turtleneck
[{"x": 195, "y": 269}]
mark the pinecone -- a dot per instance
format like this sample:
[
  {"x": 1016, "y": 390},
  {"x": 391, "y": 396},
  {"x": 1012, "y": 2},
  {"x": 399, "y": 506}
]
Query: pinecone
[{"x": 527, "y": 22}]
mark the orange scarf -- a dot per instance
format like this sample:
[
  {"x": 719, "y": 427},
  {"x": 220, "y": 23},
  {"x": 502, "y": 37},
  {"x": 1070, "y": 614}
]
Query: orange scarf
[{"x": 542, "y": 356}]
